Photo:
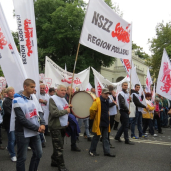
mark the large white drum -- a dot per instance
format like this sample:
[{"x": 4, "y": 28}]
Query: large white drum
[{"x": 81, "y": 103}]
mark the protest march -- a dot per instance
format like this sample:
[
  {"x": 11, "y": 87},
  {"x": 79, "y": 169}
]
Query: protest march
[{"x": 46, "y": 113}]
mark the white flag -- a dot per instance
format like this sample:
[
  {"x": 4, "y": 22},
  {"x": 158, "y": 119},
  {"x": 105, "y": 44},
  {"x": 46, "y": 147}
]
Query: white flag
[
  {"x": 98, "y": 86},
  {"x": 127, "y": 65},
  {"x": 24, "y": 12},
  {"x": 164, "y": 80},
  {"x": 106, "y": 32},
  {"x": 89, "y": 87},
  {"x": 153, "y": 94},
  {"x": 55, "y": 75},
  {"x": 148, "y": 82},
  {"x": 135, "y": 80},
  {"x": 105, "y": 82},
  {"x": 10, "y": 60}
]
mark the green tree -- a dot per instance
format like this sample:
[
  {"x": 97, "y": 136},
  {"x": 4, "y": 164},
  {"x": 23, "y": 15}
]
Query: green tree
[
  {"x": 16, "y": 40},
  {"x": 58, "y": 25},
  {"x": 158, "y": 43}
]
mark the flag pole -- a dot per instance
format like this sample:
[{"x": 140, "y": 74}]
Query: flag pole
[{"x": 74, "y": 72}]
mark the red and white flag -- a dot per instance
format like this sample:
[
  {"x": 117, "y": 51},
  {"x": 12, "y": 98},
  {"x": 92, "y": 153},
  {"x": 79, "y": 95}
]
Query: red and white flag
[
  {"x": 89, "y": 86},
  {"x": 105, "y": 82},
  {"x": 10, "y": 60},
  {"x": 106, "y": 32},
  {"x": 98, "y": 86},
  {"x": 149, "y": 82},
  {"x": 24, "y": 13},
  {"x": 164, "y": 79},
  {"x": 55, "y": 75},
  {"x": 127, "y": 65}
]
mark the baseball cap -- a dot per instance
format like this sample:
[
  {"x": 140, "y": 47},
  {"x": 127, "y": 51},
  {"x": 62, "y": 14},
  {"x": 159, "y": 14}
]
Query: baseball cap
[{"x": 105, "y": 91}]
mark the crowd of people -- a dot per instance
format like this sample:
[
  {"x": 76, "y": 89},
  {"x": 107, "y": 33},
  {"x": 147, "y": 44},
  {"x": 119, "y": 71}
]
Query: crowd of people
[{"x": 27, "y": 121}]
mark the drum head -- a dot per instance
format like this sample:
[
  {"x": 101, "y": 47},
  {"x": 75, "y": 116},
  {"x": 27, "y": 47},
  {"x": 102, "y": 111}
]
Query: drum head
[{"x": 81, "y": 103}]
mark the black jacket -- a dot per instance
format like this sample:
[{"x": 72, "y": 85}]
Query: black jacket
[
  {"x": 104, "y": 120},
  {"x": 122, "y": 104},
  {"x": 112, "y": 104},
  {"x": 7, "y": 106},
  {"x": 136, "y": 100},
  {"x": 21, "y": 121}
]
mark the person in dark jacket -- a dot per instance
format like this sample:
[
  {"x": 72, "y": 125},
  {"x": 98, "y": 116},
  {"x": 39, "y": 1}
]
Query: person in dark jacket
[
  {"x": 1, "y": 120},
  {"x": 123, "y": 106},
  {"x": 73, "y": 140},
  {"x": 28, "y": 122},
  {"x": 99, "y": 112},
  {"x": 137, "y": 99},
  {"x": 7, "y": 106},
  {"x": 58, "y": 107}
]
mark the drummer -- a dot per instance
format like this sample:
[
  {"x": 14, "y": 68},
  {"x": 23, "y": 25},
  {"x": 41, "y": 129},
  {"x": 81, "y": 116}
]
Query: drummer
[{"x": 99, "y": 111}]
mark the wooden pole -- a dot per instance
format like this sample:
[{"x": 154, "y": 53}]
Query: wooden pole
[{"x": 74, "y": 72}]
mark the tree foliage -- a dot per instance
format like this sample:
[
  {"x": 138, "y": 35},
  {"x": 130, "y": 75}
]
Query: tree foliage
[
  {"x": 58, "y": 25},
  {"x": 16, "y": 40},
  {"x": 158, "y": 43}
]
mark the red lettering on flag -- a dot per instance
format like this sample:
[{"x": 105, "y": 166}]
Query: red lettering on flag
[
  {"x": 3, "y": 42},
  {"x": 28, "y": 34},
  {"x": 147, "y": 82},
  {"x": 127, "y": 64},
  {"x": 166, "y": 78},
  {"x": 99, "y": 89},
  {"x": 69, "y": 80},
  {"x": 10, "y": 46},
  {"x": 121, "y": 34}
]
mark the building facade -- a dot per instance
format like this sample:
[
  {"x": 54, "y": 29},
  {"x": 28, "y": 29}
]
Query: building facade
[{"x": 117, "y": 72}]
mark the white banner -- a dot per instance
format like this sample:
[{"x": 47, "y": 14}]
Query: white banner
[
  {"x": 10, "y": 60},
  {"x": 106, "y": 32},
  {"x": 148, "y": 82},
  {"x": 127, "y": 65},
  {"x": 98, "y": 86},
  {"x": 89, "y": 86},
  {"x": 164, "y": 80},
  {"x": 55, "y": 75},
  {"x": 24, "y": 13},
  {"x": 41, "y": 77},
  {"x": 105, "y": 82}
]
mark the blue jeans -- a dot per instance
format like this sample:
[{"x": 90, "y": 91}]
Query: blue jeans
[
  {"x": 11, "y": 142},
  {"x": 86, "y": 123},
  {"x": 95, "y": 140},
  {"x": 137, "y": 119},
  {"x": 42, "y": 138},
  {"x": 22, "y": 144}
]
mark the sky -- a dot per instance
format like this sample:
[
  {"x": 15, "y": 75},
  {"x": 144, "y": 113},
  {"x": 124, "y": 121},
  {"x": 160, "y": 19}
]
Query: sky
[{"x": 144, "y": 15}]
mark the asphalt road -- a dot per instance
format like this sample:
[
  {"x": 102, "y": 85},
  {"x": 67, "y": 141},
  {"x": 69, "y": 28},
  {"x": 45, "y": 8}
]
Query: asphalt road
[{"x": 150, "y": 154}]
